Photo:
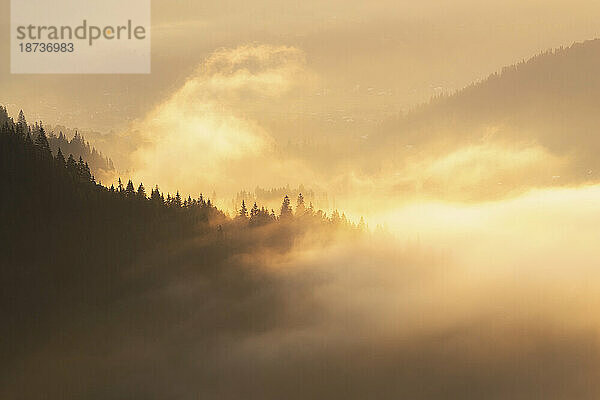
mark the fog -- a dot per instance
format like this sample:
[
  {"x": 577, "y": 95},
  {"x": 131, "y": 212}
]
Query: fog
[
  {"x": 208, "y": 136},
  {"x": 199, "y": 138},
  {"x": 477, "y": 277},
  {"x": 454, "y": 301}
]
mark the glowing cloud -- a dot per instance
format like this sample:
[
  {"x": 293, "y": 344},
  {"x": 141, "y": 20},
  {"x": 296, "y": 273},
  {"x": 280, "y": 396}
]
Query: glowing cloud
[{"x": 198, "y": 139}]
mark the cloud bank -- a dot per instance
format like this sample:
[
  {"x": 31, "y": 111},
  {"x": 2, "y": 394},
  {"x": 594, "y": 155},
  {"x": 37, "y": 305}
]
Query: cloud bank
[
  {"x": 497, "y": 301},
  {"x": 199, "y": 138}
]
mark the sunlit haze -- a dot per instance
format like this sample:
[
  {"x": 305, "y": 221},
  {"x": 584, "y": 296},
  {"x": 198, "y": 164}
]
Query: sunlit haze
[{"x": 437, "y": 239}]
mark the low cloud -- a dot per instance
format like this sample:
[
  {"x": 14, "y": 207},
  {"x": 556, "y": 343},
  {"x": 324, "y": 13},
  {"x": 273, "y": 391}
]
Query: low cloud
[
  {"x": 198, "y": 139},
  {"x": 483, "y": 301}
]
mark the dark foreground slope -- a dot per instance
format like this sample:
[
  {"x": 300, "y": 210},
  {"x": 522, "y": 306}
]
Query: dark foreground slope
[
  {"x": 68, "y": 243},
  {"x": 98, "y": 282},
  {"x": 106, "y": 294}
]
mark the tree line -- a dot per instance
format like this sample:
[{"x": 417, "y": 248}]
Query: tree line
[
  {"x": 72, "y": 248},
  {"x": 64, "y": 185}
]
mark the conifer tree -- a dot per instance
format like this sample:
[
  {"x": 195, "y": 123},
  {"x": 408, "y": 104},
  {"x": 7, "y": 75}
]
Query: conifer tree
[
  {"x": 60, "y": 158},
  {"x": 22, "y": 123},
  {"x": 129, "y": 190},
  {"x": 81, "y": 168},
  {"x": 141, "y": 192},
  {"x": 155, "y": 196},
  {"x": 87, "y": 173},
  {"x": 300, "y": 207},
  {"x": 286, "y": 209},
  {"x": 254, "y": 211},
  {"x": 4, "y": 118},
  {"x": 72, "y": 165},
  {"x": 243, "y": 210},
  {"x": 41, "y": 141}
]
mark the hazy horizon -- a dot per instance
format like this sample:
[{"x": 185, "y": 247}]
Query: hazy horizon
[
  {"x": 370, "y": 61},
  {"x": 477, "y": 275},
  {"x": 329, "y": 76}
]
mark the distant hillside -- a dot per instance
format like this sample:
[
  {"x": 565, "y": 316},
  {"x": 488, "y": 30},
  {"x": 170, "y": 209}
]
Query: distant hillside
[
  {"x": 79, "y": 147},
  {"x": 69, "y": 142},
  {"x": 551, "y": 100}
]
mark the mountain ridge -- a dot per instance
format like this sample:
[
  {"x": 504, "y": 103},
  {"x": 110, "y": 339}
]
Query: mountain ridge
[{"x": 550, "y": 100}]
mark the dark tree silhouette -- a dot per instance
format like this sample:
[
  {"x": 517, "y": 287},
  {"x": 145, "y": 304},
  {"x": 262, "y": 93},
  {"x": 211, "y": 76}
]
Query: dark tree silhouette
[
  {"x": 22, "y": 123},
  {"x": 300, "y": 207},
  {"x": 243, "y": 210},
  {"x": 41, "y": 141},
  {"x": 60, "y": 159},
  {"x": 286, "y": 209},
  {"x": 129, "y": 190},
  {"x": 74, "y": 251},
  {"x": 141, "y": 192}
]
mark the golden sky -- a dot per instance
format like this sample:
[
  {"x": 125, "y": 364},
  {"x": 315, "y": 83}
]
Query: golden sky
[
  {"x": 371, "y": 58},
  {"x": 241, "y": 80},
  {"x": 484, "y": 276}
]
